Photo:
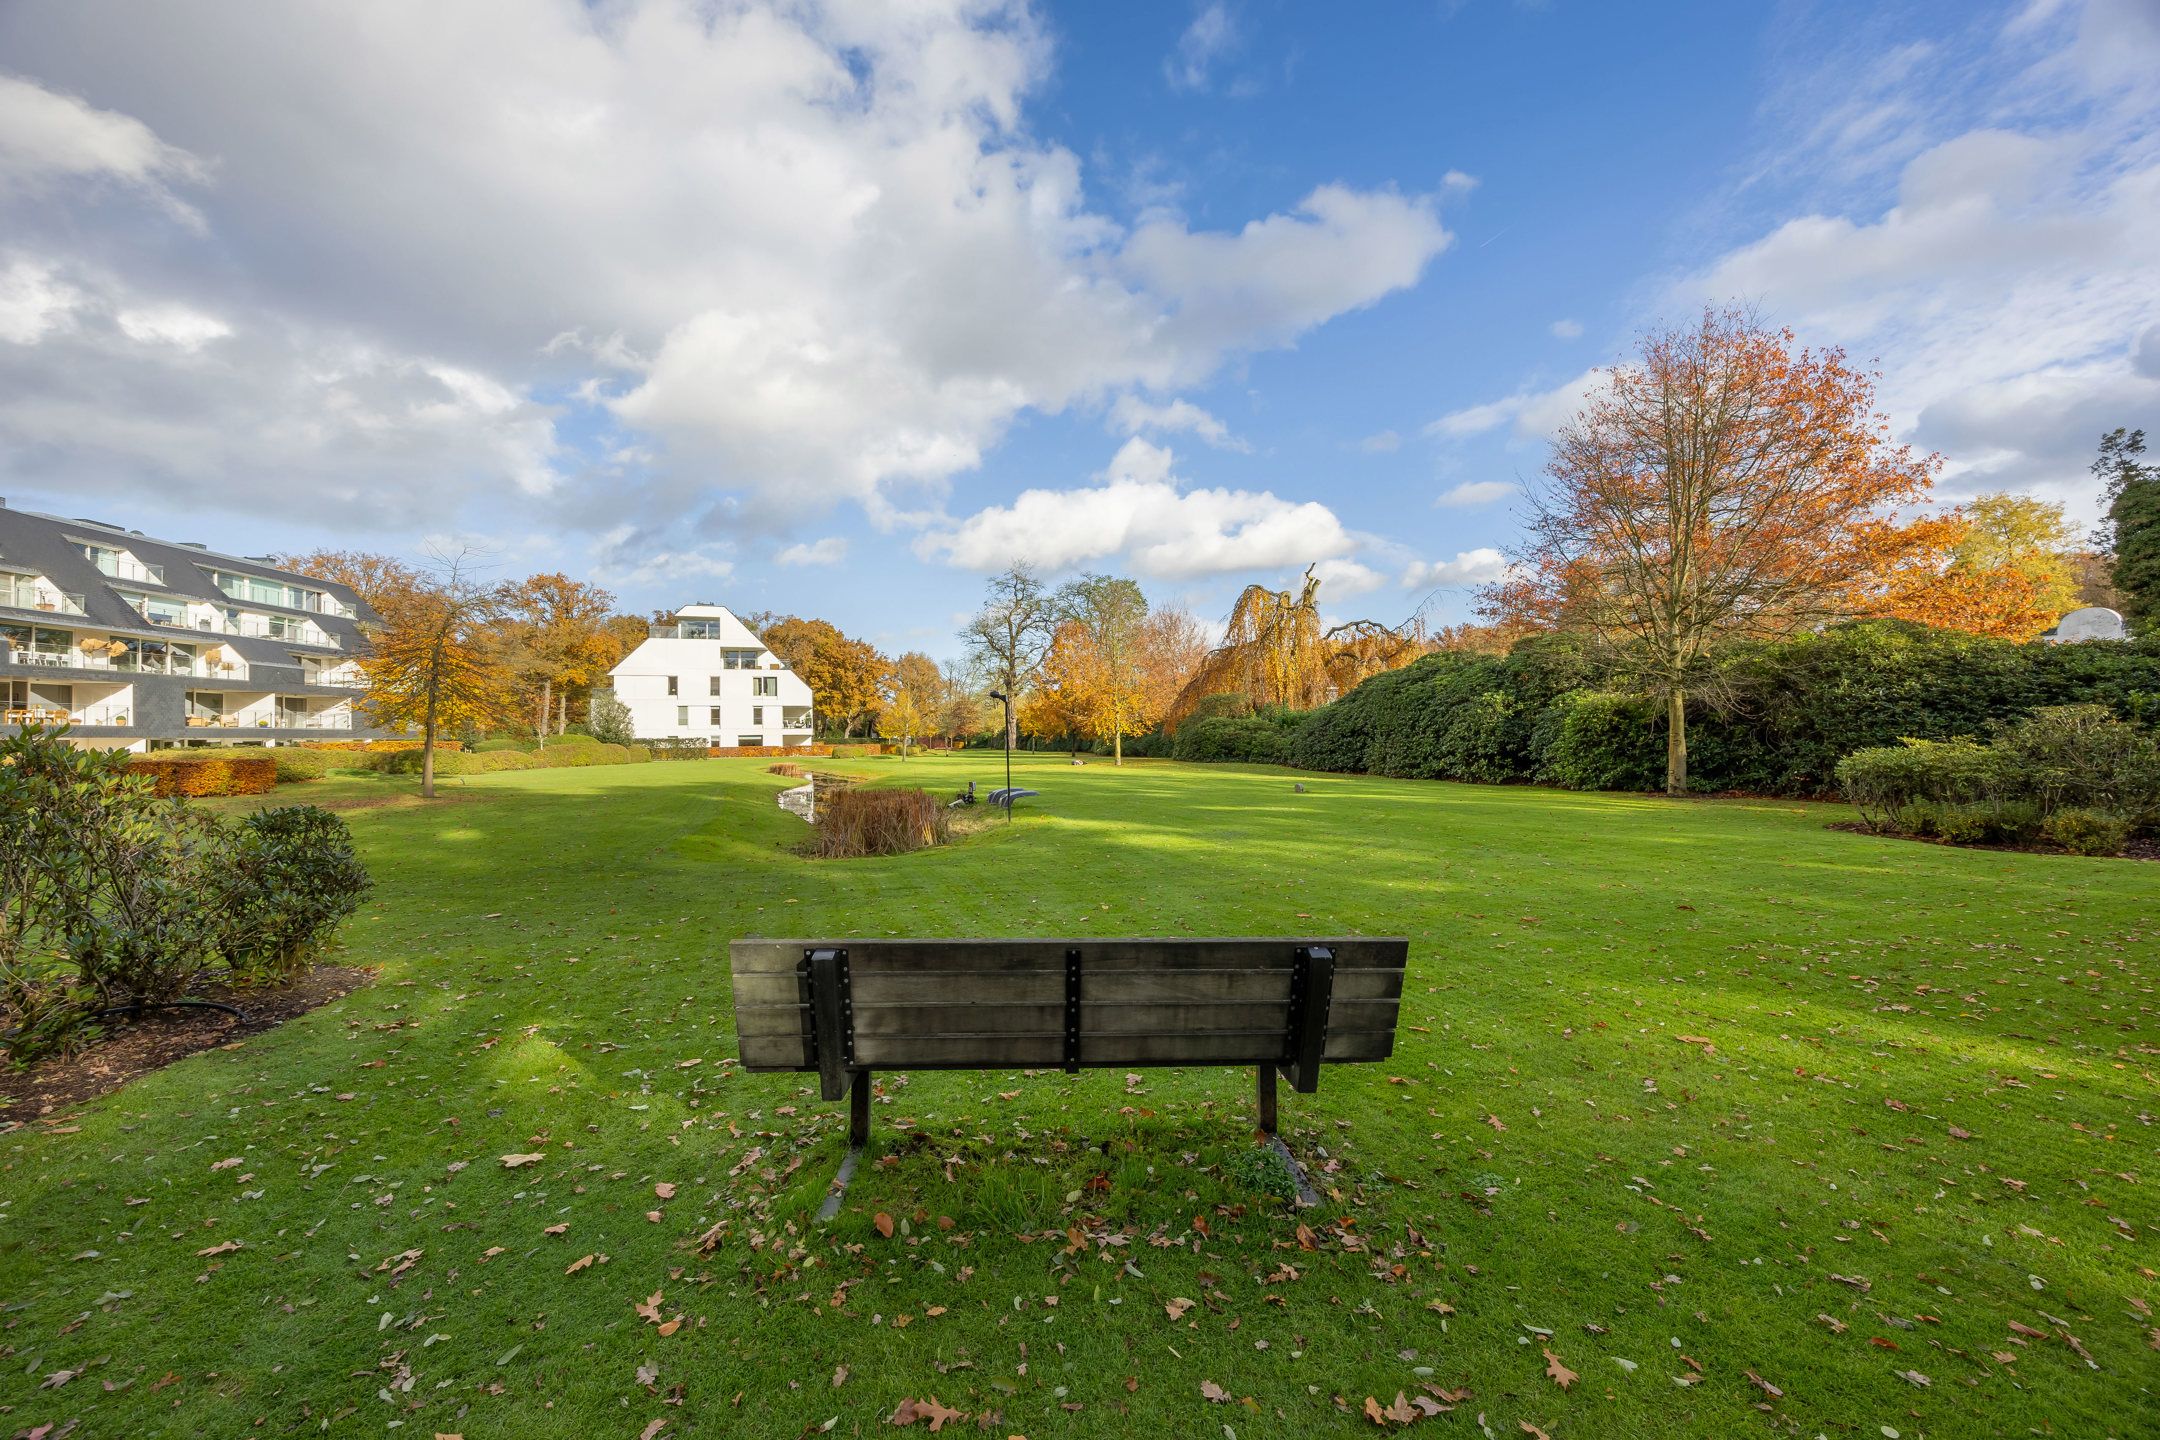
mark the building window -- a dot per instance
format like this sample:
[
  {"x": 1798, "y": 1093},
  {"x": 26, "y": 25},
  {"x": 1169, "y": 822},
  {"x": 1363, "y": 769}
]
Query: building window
[
  {"x": 713, "y": 685},
  {"x": 671, "y": 689},
  {"x": 750, "y": 740},
  {"x": 682, "y": 714},
  {"x": 757, "y": 715},
  {"x": 765, "y": 685},
  {"x": 715, "y": 720}
]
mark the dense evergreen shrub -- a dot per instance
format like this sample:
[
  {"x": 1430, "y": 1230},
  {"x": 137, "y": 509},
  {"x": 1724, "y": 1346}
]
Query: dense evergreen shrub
[
  {"x": 1250, "y": 740},
  {"x": 500, "y": 742},
  {"x": 113, "y": 897},
  {"x": 1787, "y": 711},
  {"x": 291, "y": 877},
  {"x": 2074, "y": 774},
  {"x": 610, "y": 719}
]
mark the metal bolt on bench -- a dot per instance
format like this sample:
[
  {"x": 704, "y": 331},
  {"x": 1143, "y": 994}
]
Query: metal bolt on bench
[{"x": 847, "y": 1008}]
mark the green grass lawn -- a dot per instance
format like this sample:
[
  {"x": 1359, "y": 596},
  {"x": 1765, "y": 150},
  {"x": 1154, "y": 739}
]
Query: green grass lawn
[{"x": 1737, "y": 1116}]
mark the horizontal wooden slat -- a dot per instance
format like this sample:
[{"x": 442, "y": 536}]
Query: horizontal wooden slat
[
  {"x": 879, "y": 985},
  {"x": 772, "y": 1052},
  {"x": 928, "y": 1020},
  {"x": 1348, "y": 1045},
  {"x": 1144, "y": 987},
  {"x": 1147, "y": 954},
  {"x": 988, "y": 1052},
  {"x": 1364, "y": 984},
  {"x": 769, "y": 1020}
]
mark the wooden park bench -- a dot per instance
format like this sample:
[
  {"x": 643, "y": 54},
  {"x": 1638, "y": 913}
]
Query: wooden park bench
[{"x": 847, "y": 1008}]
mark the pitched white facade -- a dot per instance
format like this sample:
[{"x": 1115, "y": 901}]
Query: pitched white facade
[{"x": 703, "y": 675}]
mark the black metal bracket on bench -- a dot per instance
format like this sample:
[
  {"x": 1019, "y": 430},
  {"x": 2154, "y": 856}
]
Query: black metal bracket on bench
[
  {"x": 1072, "y": 1012},
  {"x": 829, "y": 1010},
  {"x": 1312, "y": 995}
]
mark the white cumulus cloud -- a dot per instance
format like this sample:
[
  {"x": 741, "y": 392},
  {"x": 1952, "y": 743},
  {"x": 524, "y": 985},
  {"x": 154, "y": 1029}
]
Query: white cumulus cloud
[{"x": 1138, "y": 511}]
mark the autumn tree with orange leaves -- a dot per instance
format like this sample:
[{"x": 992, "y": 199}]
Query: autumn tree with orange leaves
[{"x": 1724, "y": 484}]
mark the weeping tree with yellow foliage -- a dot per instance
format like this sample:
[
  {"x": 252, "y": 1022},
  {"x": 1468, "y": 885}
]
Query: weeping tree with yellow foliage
[
  {"x": 1277, "y": 653},
  {"x": 435, "y": 664}
]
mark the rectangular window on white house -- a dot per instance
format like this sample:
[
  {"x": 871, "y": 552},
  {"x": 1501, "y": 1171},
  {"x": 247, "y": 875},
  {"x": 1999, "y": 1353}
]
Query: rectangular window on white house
[
  {"x": 671, "y": 688},
  {"x": 713, "y": 684},
  {"x": 715, "y": 720},
  {"x": 750, "y": 740},
  {"x": 757, "y": 715},
  {"x": 682, "y": 714},
  {"x": 765, "y": 685}
]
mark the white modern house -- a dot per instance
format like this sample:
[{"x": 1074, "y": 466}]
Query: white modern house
[{"x": 703, "y": 675}]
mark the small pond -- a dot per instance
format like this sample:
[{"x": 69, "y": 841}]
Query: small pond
[{"x": 810, "y": 800}]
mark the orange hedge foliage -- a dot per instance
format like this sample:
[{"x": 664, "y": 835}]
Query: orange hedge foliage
[
  {"x": 380, "y": 747},
  {"x": 208, "y": 775},
  {"x": 721, "y": 752}
]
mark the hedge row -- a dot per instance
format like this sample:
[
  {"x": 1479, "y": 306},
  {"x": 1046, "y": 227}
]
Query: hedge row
[
  {"x": 1792, "y": 709},
  {"x": 197, "y": 773},
  {"x": 492, "y": 762},
  {"x": 379, "y": 747},
  {"x": 2073, "y": 775}
]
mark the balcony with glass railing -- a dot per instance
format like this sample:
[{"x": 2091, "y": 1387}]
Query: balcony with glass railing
[
  {"x": 139, "y": 661},
  {"x": 122, "y": 566},
  {"x": 20, "y": 591}
]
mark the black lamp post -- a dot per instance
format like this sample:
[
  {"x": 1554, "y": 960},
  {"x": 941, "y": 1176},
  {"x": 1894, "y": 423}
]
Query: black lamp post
[{"x": 1008, "y": 750}]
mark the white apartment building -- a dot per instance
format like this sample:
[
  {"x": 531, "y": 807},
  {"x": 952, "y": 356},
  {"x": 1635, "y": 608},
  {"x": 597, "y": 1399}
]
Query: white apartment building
[
  {"x": 136, "y": 643},
  {"x": 702, "y": 675}
]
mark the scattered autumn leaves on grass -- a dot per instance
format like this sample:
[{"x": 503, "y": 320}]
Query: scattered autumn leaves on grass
[{"x": 1557, "y": 1368}]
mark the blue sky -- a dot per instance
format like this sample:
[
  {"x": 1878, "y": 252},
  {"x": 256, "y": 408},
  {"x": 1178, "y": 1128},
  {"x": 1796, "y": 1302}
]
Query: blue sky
[{"x": 830, "y": 310}]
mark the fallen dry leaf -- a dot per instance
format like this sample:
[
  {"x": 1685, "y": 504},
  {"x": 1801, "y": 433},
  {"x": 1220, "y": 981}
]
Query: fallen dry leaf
[
  {"x": 884, "y": 1224},
  {"x": 1702, "y": 1040},
  {"x": 1557, "y": 1369},
  {"x": 1177, "y": 1307},
  {"x": 511, "y": 1162},
  {"x": 653, "y": 1429},
  {"x": 1764, "y": 1385},
  {"x": 909, "y": 1411},
  {"x": 579, "y": 1264},
  {"x": 1214, "y": 1393},
  {"x": 664, "y": 1190},
  {"x": 225, "y": 1249},
  {"x": 1533, "y": 1432}
]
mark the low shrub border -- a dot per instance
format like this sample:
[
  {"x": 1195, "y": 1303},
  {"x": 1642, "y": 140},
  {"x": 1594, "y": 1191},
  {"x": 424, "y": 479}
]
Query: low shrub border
[
  {"x": 2071, "y": 776},
  {"x": 204, "y": 773}
]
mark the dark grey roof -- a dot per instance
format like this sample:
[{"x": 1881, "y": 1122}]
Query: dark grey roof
[{"x": 52, "y": 546}]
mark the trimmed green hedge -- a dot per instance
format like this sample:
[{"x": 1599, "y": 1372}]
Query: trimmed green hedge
[{"x": 1797, "y": 708}]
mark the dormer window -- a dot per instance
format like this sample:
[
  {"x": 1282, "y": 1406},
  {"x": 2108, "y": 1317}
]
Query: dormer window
[{"x": 120, "y": 565}]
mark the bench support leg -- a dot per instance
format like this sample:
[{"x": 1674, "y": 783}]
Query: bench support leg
[
  {"x": 1306, "y": 1196},
  {"x": 858, "y": 1136}
]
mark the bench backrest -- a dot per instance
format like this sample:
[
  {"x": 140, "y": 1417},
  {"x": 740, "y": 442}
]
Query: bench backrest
[{"x": 1051, "y": 1004}]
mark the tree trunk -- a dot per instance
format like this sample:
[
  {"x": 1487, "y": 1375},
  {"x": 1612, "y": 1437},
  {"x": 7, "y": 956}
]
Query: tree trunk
[
  {"x": 427, "y": 749},
  {"x": 1676, "y": 743},
  {"x": 1117, "y": 746},
  {"x": 562, "y": 713},
  {"x": 1012, "y": 728},
  {"x": 547, "y": 709}
]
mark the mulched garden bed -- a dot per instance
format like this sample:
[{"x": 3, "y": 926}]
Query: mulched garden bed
[
  {"x": 132, "y": 1048},
  {"x": 2135, "y": 850}
]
